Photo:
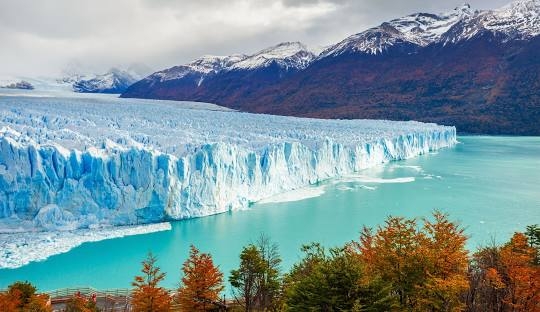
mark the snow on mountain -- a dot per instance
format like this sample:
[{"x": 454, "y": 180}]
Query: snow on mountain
[
  {"x": 70, "y": 163},
  {"x": 201, "y": 67},
  {"x": 420, "y": 29},
  {"x": 21, "y": 84},
  {"x": 114, "y": 81},
  {"x": 520, "y": 18},
  {"x": 287, "y": 55}
]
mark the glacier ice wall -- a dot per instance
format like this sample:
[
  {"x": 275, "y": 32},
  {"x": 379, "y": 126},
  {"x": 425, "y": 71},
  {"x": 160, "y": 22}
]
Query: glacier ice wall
[{"x": 77, "y": 163}]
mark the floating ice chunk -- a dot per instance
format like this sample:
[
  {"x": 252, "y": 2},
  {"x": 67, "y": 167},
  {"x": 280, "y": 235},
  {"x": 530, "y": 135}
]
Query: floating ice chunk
[
  {"x": 296, "y": 195},
  {"x": 368, "y": 179}
]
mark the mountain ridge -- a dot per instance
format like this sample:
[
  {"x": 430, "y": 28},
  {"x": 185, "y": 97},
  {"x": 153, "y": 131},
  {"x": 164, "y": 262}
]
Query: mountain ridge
[{"x": 464, "y": 68}]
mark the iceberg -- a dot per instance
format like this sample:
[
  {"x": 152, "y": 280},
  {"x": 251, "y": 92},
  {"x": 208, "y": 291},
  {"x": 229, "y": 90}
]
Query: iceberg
[{"x": 82, "y": 162}]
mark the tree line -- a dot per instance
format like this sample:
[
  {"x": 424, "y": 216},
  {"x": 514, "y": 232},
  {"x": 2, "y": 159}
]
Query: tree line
[{"x": 402, "y": 265}]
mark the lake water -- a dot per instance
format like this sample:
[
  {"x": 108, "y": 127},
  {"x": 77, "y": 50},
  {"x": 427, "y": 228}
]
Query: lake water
[{"x": 489, "y": 184}]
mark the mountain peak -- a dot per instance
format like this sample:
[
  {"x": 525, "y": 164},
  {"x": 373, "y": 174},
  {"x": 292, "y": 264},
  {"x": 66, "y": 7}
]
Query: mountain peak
[
  {"x": 418, "y": 29},
  {"x": 517, "y": 20},
  {"x": 288, "y": 55},
  {"x": 463, "y": 7}
]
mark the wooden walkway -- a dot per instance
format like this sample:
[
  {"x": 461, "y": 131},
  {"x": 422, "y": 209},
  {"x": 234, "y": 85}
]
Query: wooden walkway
[
  {"x": 117, "y": 300},
  {"x": 106, "y": 300}
]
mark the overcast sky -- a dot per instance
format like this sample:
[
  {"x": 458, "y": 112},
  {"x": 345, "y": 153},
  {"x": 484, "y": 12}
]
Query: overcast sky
[{"x": 44, "y": 37}]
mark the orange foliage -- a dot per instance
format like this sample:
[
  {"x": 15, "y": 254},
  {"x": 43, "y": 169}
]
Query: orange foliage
[
  {"x": 394, "y": 254},
  {"x": 494, "y": 279},
  {"x": 147, "y": 295},
  {"x": 505, "y": 278},
  {"x": 427, "y": 268},
  {"x": 14, "y": 301},
  {"x": 201, "y": 284},
  {"x": 9, "y": 302},
  {"x": 522, "y": 276},
  {"x": 447, "y": 265}
]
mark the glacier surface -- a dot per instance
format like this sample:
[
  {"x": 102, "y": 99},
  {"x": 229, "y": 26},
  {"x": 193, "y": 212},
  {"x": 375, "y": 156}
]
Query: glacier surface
[{"x": 73, "y": 163}]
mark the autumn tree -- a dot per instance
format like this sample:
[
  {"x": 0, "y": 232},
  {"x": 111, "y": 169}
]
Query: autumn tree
[
  {"x": 79, "y": 303},
  {"x": 427, "y": 267},
  {"x": 447, "y": 264},
  {"x": 394, "y": 253},
  {"x": 202, "y": 282},
  {"x": 520, "y": 275},
  {"x": 9, "y": 301},
  {"x": 505, "y": 278},
  {"x": 22, "y": 296},
  {"x": 333, "y": 281},
  {"x": 147, "y": 295}
]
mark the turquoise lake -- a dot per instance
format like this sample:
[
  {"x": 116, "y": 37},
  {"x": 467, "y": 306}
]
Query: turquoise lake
[{"x": 488, "y": 184}]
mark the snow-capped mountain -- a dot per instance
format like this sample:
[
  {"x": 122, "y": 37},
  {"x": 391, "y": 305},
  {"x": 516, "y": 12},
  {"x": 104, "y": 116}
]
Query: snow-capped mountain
[
  {"x": 287, "y": 55},
  {"x": 420, "y": 29},
  {"x": 477, "y": 69},
  {"x": 519, "y": 20},
  {"x": 114, "y": 81},
  {"x": 21, "y": 84},
  {"x": 200, "y": 68},
  {"x": 225, "y": 73}
]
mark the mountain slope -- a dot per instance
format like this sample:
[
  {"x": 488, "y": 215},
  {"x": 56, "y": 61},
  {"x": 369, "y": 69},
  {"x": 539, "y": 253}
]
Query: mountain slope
[
  {"x": 211, "y": 77},
  {"x": 478, "y": 70},
  {"x": 114, "y": 81}
]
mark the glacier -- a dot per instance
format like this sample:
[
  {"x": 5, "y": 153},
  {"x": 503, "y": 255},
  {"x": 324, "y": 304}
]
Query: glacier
[
  {"x": 92, "y": 162},
  {"x": 19, "y": 249}
]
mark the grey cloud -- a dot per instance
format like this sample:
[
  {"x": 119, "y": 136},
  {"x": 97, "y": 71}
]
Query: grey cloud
[
  {"x": 312, "y": 2},
  {"x": 42, "y": 37}
]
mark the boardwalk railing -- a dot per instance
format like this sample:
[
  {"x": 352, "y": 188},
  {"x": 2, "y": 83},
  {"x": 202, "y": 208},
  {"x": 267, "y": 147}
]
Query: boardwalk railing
[
  {"x": 109, "y": 300},
  {"x": 88, "y": 291}
]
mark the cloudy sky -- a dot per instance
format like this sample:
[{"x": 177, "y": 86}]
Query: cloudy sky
[{"x": 45, "y": 37}]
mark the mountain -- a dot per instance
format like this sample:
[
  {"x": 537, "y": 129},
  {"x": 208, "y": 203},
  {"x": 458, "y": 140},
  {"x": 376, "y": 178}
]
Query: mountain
[
  {"x": 478, "y": 70},
  {"x": 114, "y": 81},
  {"x": 22, "y": 84},
  {"x": 405, "y": 34},
  {"x": 216, "y": 76}
]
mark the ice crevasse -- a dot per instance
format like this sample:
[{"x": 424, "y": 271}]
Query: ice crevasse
[{"x": 66, "y": 165}]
